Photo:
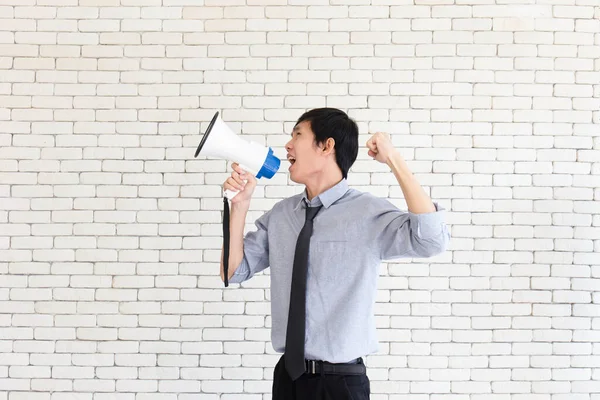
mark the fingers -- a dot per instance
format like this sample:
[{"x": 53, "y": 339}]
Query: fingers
[
  {"x": 236, "y": 167},
  {"x": 237, "y": 170},
  {"x": 232, "y": 184},
  {"x": 238, "y": 178},
  {"x": 243, "y": 174},
  {"x": 371, "y": 145}
]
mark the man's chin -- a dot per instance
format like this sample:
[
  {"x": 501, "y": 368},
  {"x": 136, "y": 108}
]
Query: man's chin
[{"x": 294, "y": 178}]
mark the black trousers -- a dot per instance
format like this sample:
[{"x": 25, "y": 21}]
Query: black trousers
[{"x": 319, "y": 386}]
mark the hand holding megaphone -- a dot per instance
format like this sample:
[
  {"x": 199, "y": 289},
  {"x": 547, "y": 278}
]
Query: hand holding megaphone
[
  {"x": 219, "y": 141},
  {"x": 240, "y": 185}
]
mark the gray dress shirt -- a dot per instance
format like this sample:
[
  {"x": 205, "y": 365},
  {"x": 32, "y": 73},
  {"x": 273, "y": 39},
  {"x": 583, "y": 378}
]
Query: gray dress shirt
[{"x": 353, "y": 233}]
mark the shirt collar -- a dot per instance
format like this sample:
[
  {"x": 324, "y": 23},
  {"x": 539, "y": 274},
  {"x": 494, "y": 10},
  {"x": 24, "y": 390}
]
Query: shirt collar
[{"x": 327, "y": 198}]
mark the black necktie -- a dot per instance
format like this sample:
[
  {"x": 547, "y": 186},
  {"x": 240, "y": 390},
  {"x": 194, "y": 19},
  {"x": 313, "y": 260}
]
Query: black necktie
[{"x": 294, "y": 340}]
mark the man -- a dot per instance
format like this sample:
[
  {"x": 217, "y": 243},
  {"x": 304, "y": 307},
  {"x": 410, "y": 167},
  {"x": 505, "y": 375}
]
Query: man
[{"x": 324, "y": 247}]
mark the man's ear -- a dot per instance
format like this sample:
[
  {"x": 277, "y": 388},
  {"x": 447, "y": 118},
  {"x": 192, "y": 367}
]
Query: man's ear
[{"x": 329, "y": 146}]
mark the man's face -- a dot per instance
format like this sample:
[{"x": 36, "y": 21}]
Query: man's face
[{"x": 305, "y": 157}]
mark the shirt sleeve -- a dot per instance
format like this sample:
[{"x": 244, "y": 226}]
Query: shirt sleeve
[
  {"x": 404, "y": 234},
  {"x": 256, "y": 251}
]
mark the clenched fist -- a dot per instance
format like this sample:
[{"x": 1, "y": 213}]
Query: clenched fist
[{"x": 380, "y": 147}]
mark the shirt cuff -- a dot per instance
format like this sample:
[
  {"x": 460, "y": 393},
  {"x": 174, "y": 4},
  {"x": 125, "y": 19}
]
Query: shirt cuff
[
  {"x": 240, "y": 273},
  {"x": 428, "y": 225}
]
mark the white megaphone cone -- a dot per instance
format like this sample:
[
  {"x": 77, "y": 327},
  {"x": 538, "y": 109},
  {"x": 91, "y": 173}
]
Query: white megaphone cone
[{"x": 221, "y": 142}]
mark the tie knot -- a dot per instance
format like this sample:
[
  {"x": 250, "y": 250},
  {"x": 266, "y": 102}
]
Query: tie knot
[{"x": 311, "y": 212}]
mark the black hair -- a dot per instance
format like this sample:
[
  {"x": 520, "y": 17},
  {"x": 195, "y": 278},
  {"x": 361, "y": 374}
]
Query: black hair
[{"x": 333, "y": 123}]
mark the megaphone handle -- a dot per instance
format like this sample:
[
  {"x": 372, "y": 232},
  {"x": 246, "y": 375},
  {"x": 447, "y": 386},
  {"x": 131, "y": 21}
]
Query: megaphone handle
[{"x": 230, "y": 194}]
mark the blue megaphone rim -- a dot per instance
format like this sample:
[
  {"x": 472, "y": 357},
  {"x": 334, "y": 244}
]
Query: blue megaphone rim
[
  {"x": 205, "y": 136},
  {"x": 270, "y": 166}
]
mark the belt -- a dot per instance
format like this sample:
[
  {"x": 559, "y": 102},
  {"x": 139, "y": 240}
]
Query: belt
[{"x": 315, "y": 367}]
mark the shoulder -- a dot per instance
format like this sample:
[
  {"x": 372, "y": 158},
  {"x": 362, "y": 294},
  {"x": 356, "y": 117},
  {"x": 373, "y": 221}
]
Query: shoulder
[
  {"x": 367, "y": 201},
  {"x": 283, "y": 206},
  {"x": 287, "y": 204}
]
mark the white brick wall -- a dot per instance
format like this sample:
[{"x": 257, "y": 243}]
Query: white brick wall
[{"x": 110, "y": 229}]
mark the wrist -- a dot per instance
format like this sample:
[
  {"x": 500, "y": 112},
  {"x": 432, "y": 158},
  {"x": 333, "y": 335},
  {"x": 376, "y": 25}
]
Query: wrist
[
  {"x": 399, "y": 167},
  {"x": 394, "y": 159},
  {"x": 242, "y": 206}
]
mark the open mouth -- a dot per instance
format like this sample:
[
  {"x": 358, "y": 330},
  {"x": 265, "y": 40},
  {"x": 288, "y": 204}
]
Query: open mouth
[{"x": 291, "y": 159}]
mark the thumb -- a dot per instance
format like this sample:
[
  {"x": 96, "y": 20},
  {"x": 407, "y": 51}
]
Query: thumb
[{"x": 248, "y": 176}]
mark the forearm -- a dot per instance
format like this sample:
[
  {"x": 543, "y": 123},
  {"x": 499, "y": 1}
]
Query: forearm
[
  {"x": 237, "y": 220},
  {"x": 417, "y": 200}
]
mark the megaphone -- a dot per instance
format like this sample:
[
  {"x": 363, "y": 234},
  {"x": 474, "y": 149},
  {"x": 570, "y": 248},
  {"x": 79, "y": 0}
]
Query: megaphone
[{"x": 220, "y": 141}]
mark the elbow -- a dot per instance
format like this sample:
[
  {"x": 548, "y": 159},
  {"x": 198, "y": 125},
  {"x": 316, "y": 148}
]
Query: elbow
[{"x": 433, "y": 246}]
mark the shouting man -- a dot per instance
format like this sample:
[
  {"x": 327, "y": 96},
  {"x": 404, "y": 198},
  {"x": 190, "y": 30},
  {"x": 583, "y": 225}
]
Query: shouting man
[{"x": 324, "y": 247}]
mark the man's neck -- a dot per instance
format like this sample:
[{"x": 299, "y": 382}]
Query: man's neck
[{"x": 313, "y": 189}]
